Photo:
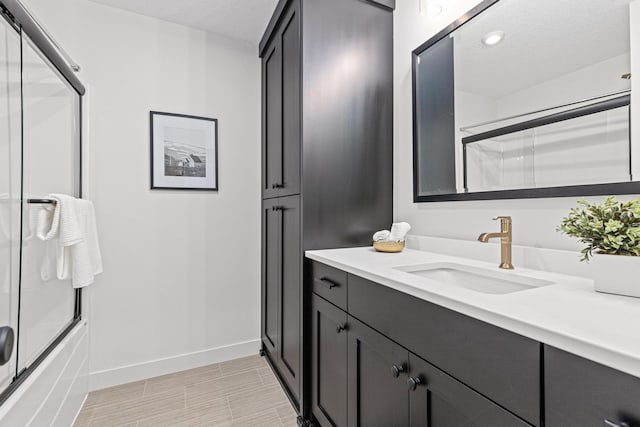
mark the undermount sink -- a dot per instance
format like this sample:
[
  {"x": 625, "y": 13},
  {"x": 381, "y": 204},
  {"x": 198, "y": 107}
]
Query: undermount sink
[{"x": 476, "y": 278}]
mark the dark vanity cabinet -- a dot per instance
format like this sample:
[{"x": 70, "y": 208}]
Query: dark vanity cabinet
[
  {"x": 384, "y": 375},
  {"x": 327, "y": 120},
  {"x": 403, "y": 361}
]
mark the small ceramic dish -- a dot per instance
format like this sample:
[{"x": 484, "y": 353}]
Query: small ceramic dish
[{"x": 389, "y": 247}]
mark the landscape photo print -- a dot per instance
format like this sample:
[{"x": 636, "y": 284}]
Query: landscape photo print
[{"x": 183, "y": 152}]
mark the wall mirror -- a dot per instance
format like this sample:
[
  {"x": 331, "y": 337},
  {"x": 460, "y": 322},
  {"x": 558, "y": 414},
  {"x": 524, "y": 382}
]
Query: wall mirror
[{"x": 521, "y": 99}]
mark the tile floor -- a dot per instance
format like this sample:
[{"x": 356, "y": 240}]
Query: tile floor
[{"x": 241, "y": 392}]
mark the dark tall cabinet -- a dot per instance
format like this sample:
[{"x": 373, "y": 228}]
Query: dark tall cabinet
[{"x": 327, "y": 150}]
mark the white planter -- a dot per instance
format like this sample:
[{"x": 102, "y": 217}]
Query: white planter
[{"x": 616, "y": 274}]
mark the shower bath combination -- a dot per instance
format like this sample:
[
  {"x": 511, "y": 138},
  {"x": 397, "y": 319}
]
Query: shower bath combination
[{"x": 40, "y": 154}]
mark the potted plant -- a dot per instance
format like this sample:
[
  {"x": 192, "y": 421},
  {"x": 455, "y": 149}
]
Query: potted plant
[{"x": 611, "y": 233}]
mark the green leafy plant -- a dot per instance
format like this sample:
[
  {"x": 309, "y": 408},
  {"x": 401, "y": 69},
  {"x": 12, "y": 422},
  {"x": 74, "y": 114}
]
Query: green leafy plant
[{"x": 610, "y": 228}]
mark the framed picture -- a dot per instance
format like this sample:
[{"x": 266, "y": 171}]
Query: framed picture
[{"x": 184, "y": 152}]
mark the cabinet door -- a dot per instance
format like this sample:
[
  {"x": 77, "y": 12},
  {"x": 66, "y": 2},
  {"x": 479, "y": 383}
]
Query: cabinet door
[
  {"x": 377, "y": 388},
  {"x": 270, "y": 277},
  {"x": 438, "y": 400},
  {"x": 281, "y": 109},
  {"x": 281, "y": 287},
  {"x": 579, "y": 393},
  {"x": 291, "y": 137},
  {"x": 329, "y": 363},
  {"x": 272, "y": 119},
  {"x": 290, "y": 289}
]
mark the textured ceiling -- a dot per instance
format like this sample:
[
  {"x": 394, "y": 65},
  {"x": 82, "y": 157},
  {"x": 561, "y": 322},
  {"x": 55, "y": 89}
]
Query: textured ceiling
[{"x": 243, "y": 20}]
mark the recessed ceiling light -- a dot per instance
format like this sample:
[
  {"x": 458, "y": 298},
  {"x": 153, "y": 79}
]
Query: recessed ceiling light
[{"x": 493, "y": 38}]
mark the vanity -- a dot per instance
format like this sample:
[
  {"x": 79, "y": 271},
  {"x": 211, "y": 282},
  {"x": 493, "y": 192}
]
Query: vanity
[
  {"x": 412, "y": 339},
  {"x": 515, "y": 99}
]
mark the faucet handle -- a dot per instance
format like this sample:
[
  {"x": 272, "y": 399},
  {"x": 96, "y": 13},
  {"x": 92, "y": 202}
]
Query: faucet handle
[{"x": 505, "y": 224}]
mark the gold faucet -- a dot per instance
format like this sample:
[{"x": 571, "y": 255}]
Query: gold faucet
[{"x": 505, "y": 236}]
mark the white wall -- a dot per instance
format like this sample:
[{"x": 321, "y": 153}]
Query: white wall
[
  {"x": 181, "y": 285},
  {"x": 534, "y": 220}
]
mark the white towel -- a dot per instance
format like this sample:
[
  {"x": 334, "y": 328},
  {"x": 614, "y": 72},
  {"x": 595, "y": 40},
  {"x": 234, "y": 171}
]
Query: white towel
[
  {"x": 381, "y": 236},
  {"x": 72, "y": 222},
  {"x": 399, "y": 232}
]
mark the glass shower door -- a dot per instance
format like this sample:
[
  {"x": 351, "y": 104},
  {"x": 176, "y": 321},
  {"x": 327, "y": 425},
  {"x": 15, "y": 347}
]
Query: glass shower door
[
  {"x": 10, "y": 215},
  {"x": 51, "y": 134}
]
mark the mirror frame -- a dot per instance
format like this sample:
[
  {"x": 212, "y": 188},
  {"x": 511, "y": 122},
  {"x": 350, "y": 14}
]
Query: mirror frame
[{"x": 616, "y": 188}]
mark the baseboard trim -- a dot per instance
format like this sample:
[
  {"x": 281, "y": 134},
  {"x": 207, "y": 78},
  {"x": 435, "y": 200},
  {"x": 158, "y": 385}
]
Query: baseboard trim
[{"x": 153, "y": 368}]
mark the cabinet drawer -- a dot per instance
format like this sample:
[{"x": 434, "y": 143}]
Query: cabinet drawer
[
  {"x": 439, "y": 400},
  {"x": 330, "y": 283},
  {"x": 501, "y": 365},
  {"x": 582, "y": 393}
]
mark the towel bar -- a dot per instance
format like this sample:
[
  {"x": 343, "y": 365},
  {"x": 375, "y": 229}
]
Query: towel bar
[{"x": 41, "y": 202}]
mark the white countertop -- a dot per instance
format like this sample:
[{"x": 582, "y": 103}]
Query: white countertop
[{"x": 568, "y": 315}]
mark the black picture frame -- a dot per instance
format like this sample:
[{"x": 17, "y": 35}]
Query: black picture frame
[
  {"x": 200, "y": 171},
  {"x": 616, "y": 188}
]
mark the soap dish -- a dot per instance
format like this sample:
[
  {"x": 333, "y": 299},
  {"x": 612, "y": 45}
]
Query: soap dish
[{"x": 389, "y": 247}]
